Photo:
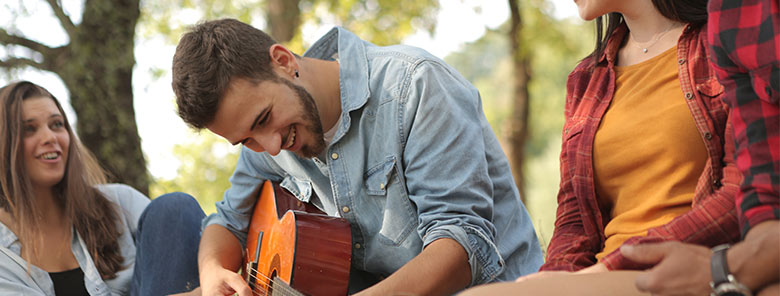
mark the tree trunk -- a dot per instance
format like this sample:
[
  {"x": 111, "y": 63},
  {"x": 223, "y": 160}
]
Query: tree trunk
[
  {"x": 97, "y": 68},
  {"x": 519, "y": 117},
  {"x": 284, "y": 18}
]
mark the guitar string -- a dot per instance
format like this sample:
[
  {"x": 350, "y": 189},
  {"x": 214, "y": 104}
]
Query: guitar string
[
  {"x": 258, "y": 281},
  {"x": 277, "y": 289},
  {"x": 284, "y": 289},
  {"x": 266, "y": 280}
]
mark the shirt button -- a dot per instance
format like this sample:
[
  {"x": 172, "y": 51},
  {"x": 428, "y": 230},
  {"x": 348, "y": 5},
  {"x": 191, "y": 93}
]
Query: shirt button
[
  {"x": 334, "y": 156},
  {"x": 681, "y": 61},
  {"x": 381, "y": 185},
  {"x": 345, "y": 209},
  {"x": 689, "y": 95},
  {"x": 708, "y": 136},
  {"x": 357, "y": 246}
]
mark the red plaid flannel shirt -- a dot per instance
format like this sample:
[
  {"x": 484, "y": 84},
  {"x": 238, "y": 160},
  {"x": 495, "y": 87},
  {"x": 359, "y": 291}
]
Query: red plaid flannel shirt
[
  {"x": 745, "y": 40},
  {"x": 579, "y": 224}
]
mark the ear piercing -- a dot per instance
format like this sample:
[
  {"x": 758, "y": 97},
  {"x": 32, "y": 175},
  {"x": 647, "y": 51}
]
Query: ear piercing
[{"x": 296, "y": 73}]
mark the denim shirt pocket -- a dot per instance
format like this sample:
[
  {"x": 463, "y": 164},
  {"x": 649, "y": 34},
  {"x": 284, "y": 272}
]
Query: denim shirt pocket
[
  {"x": 301, "y": 189},
  {"x": 399, "y": 216},
  {"x": 378, "y": 176}
]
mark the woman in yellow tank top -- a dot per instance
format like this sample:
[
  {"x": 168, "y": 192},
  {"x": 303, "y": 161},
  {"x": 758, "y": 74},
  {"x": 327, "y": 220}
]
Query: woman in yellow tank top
[
  {"x": 647, "y": 151},
  {"x": 646, "y": 154}
]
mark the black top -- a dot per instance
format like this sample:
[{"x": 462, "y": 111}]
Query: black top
[{"x": 69, "y": 283}]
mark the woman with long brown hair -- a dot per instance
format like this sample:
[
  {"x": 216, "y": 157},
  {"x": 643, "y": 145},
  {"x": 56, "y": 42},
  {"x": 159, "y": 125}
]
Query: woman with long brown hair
[{"x": 63, "y": 230}]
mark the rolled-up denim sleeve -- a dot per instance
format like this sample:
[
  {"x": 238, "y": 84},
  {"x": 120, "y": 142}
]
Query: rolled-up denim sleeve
[
  {"x": 485, "y": 261},
  {"x": 234, "y": 211},
  {"x": 446, "y": 167}
]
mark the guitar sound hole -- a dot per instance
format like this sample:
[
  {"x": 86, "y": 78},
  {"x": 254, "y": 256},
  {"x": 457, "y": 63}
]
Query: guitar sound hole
[{"x": 272, "y": 282}]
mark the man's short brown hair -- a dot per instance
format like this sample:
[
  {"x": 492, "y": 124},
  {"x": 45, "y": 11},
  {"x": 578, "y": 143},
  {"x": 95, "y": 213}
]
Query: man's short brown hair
[{"x": 208, "y": 57}]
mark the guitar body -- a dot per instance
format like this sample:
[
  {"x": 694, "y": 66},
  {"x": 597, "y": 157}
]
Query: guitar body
[{"x": 296, "y": 243}]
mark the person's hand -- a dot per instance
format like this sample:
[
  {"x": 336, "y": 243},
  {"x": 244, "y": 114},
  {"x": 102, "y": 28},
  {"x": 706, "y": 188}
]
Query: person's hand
[
  {"x": 220, "y": 281},
  {"x": 680, "y": 269}
]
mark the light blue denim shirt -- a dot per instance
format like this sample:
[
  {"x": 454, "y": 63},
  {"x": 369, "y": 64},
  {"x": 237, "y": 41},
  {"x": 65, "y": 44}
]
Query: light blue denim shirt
[
  {"x": 413, "y": 160},
  {"x": 14, "y": 279}
]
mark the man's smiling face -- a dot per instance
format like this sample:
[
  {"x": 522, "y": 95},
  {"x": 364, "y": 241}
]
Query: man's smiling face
[{"x": 270, "y": 116}]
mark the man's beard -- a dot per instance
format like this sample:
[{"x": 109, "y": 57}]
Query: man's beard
[{"x": 311, "y": 117}]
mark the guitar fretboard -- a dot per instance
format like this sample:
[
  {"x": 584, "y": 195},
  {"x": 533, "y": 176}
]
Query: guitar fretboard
[{"x": 280, "y": 288}]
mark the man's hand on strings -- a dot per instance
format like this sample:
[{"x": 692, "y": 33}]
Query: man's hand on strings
[{"x": 220, "y": 281}]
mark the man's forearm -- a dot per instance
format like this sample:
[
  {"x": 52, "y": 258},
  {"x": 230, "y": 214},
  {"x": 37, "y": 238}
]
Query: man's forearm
[
  {"x": 441, "y": 269},
  {"x": 219, "y": 247},
  {"x": 755, "y": 261}
]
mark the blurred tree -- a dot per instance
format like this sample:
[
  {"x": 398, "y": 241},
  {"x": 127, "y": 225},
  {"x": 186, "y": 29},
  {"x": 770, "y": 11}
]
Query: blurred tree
[
  {"x": 519, "y": 118},
  {"x": 532, "y": 32},
  {"x": 284, "y": 18},
  {"x": 554, "y": 47},
  {"x": 207, "y": 163},
  {"x": 96, "y": 66}
]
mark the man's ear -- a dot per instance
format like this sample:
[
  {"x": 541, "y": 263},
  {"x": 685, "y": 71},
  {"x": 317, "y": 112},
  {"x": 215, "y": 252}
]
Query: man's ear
[{"x": 283, "y": 60}]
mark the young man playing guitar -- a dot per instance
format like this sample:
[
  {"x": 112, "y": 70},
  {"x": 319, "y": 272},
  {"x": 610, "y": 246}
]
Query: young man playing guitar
[{"x": 389, "y": 138}]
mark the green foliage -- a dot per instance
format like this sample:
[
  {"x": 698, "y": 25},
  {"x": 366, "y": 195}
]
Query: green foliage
[
  {"x": 379, "y": 21},
  {"x": 382, "y": 22},
  {"x": 170, "y": 18},
  {"x": 207, "y": 162}
]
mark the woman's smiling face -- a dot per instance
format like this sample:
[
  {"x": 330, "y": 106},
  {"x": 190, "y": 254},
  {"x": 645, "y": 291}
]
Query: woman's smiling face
[{"x": 46, "y": 141}]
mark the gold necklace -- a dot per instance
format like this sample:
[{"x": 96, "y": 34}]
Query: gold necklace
[{"x": 657, "y": 37}]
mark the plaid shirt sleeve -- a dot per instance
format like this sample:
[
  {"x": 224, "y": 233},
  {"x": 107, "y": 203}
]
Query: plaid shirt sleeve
[
  {"x": 572, "y": 246},
  {"x": 744, "y": 36}
]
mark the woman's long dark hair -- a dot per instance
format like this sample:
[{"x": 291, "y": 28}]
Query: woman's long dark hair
[
  {"x": 94, "y": 217},
  {"x": 692, "y": 12}
]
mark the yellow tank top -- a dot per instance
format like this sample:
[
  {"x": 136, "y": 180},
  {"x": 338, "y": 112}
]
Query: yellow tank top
[{"x": 647, "y": 152}]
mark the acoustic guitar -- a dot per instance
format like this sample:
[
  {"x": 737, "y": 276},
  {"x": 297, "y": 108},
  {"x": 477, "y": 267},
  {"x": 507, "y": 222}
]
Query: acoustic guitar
[{"x": 295, "y": 249}]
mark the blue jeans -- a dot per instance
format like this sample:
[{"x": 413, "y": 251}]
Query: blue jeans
[{"x": 167, "y": 246}]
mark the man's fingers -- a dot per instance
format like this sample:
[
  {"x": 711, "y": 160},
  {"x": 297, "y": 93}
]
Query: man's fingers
[
  {"x": 645, "y": 282},
  {"x": 239, "y": 285},
  {"x": 651, "y": 253}
]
